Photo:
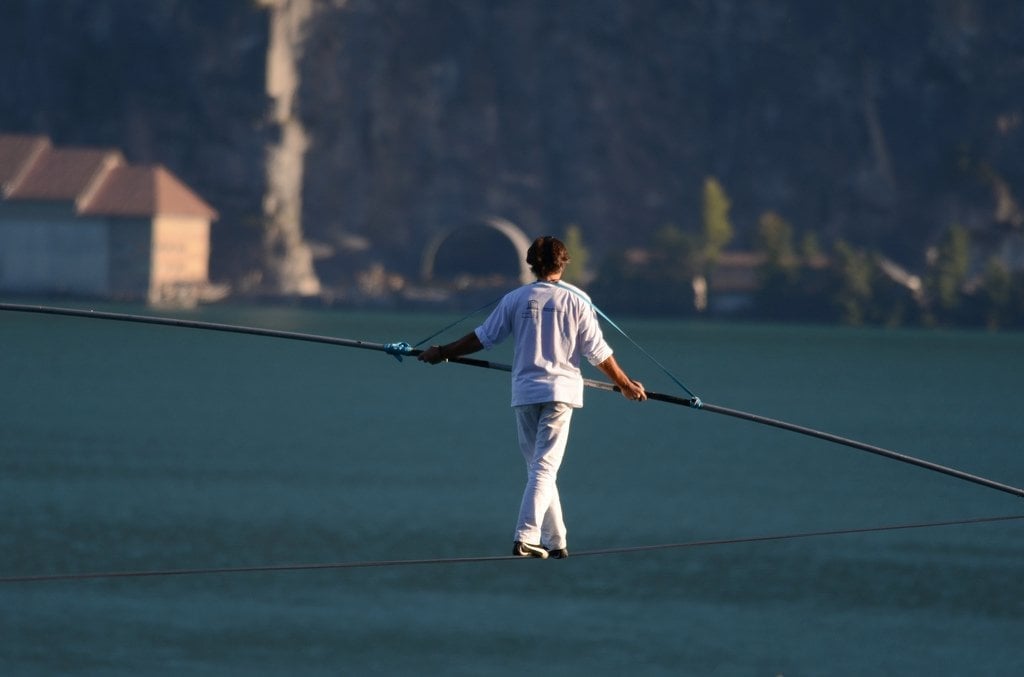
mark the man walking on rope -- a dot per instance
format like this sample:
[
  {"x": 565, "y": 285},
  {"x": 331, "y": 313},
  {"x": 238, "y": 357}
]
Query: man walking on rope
[{"x": 552, "y": 324}]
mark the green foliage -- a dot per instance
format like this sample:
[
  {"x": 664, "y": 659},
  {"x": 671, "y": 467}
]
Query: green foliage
[
  {"x": 854, "y": 270},
  {"x": 954, "y": 258},
  {"x": 1015, "y": 310},
  {"x": 775, "y": 241},
  {"x": 810, "y": 249},
  {"x": 578, "y": 271},
  {"x": 718, "y": 230},
  {"x": 997, "y": 294},
  {"x": 775, "y": 238},
  {"x": 676, "y": 253},
  {"x": 947, "y": 275},
  {"x": 784, "y": 288},
  {"x": 657, "y": 280},
  {"x": 800, "y": 281}
]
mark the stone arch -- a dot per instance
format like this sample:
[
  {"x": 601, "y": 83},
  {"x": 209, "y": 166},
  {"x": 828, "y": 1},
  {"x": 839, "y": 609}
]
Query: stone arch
[{"x": 509, "y": 230}]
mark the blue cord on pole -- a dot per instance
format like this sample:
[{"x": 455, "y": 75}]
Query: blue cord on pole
[
  {"x": 402, "y": 348},
  {"x": 397, "y": 350},
  {"x": 459, "y": 321},
  {"x": 695, "y": 401}
]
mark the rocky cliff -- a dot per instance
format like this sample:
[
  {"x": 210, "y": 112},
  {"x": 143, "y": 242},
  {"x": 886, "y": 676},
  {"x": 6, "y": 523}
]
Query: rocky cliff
[{"x": 875, "y": 122}]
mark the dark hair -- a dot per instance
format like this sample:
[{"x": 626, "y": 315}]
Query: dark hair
[{"x": 547, "y": 255}]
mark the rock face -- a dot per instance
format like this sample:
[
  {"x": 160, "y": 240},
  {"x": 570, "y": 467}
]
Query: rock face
[
  {"x": 287, "y": 257},
  {"x": 877, "y": 123}
]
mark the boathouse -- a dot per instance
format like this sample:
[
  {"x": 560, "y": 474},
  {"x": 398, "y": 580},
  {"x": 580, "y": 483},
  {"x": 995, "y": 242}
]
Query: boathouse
[{"x": 84, "y": 222}]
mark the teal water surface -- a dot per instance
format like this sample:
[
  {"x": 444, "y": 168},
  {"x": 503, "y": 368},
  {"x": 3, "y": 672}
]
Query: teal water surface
[{"x": 128, "y": 447}]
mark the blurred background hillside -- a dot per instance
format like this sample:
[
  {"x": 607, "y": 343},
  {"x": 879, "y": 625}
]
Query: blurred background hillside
[{"x": 864, "y": 157}]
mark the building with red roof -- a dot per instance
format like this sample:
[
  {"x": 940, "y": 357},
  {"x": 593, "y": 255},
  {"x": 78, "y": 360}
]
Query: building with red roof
[{"x": 84, "y": 222}]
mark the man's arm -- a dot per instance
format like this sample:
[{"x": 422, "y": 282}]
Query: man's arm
[
  {"x": 469, "y": 343},
  {"x": 630, "y": 389}
]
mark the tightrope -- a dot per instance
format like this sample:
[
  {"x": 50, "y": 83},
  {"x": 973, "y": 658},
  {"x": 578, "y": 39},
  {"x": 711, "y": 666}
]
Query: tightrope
[{"x": 42, "y": 578}]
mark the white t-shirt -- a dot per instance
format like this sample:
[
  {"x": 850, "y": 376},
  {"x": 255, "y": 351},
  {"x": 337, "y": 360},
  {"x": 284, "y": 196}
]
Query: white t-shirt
[{"x": 553, "y": 325}]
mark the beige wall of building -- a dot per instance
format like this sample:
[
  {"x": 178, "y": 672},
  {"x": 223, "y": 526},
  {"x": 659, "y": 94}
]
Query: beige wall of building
[
  {"x": 180, "y": 255},
  {"x": 82, "y": 221}
]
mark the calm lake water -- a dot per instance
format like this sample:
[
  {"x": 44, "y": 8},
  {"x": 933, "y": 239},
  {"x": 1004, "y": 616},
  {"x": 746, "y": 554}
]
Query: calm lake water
[{"x": 127, "y": 447}]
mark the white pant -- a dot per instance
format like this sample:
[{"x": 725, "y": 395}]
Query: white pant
[{"x": 543, "y": 434}]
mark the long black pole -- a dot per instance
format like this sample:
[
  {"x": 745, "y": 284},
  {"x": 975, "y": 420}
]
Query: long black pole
[
  {"x": 600, "y": 385},
  {"x": 921, "y": 463},
  {"x": 191, "y": 324}
]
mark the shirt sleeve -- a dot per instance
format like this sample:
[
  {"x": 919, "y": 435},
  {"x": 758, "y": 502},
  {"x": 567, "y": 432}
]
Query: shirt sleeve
[
  {"x": 592, "y": 343},
  {"x": 497, "y": 326}
]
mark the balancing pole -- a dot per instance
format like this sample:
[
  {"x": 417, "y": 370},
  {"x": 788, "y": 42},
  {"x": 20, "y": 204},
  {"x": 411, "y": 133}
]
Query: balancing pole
[
  {"x": 399, "y": 350},
  {"x": 829, "y": 437}
]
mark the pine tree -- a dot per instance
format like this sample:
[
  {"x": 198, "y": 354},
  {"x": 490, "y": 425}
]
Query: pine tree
[
  {"x": 718, "y": 231},
  {"x": 577, "y": 272},
  {"x": 950, "y": 263},
  {"x": 855, "y": 293}
]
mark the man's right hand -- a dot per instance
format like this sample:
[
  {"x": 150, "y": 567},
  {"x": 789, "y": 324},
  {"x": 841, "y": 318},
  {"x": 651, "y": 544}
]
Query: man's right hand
[
  {"x": 431, "y": 355},
  {"x": 634, "y": 391}
]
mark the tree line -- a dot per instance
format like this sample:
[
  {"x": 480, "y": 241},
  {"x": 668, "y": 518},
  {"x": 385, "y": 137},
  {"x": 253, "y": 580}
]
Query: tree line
[{"x": 791, "y": 276}]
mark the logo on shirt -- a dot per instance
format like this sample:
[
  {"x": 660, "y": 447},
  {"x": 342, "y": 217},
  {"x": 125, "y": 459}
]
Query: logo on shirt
[{"x": 532, "y": 310}]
